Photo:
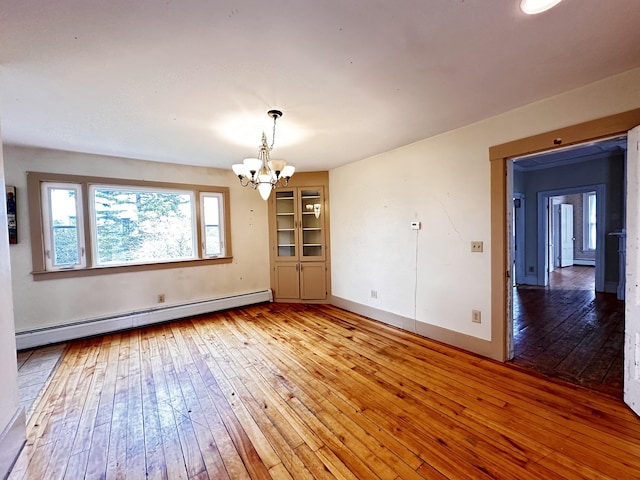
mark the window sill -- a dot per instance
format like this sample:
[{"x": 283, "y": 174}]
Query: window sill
[{"x": 92, "y": 271}]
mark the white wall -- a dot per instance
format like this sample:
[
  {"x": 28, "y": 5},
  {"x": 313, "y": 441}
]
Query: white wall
[
  {"x": 444, "y": 182},
  {"x": 12, "y": 429},
  {"x": 56, "y": 302}
]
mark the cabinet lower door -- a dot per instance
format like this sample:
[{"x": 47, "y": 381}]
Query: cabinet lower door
[
  {"x": 313, "y": 281},
  {"x": 287, "y": 281}
]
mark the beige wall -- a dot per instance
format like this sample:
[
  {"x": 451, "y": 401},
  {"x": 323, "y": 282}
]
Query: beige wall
[
  {"x": 11, "y": 431},
  {"x": 430, "y": 278},
  {"x": 55, "y": 302}
]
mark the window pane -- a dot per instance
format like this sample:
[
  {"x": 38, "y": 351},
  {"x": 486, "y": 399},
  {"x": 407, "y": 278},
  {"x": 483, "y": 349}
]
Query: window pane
[
  {"x": 211, "y": 213},
  {"x": 64, "y": 226},
  {"x": 142, "y": 226},
  {"x": 592, "y": 221}
]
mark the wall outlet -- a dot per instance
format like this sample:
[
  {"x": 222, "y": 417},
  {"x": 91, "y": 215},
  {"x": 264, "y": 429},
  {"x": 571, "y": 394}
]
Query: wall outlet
[
  {"x": 476, "y": 316},
  {"x": 161, "y": 298},
  {"x": 374, "y": 294},
  {"x": 476, "y": 246}
]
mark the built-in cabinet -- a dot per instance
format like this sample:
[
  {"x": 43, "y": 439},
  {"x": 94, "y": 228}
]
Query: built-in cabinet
[{"x": 298, "y": 219}]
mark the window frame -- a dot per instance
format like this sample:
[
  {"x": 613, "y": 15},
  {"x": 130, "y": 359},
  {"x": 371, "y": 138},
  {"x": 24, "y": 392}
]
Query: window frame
[
  {"x": 221, "y": 225},
  {"x": 93, "y": 187},
  {"x": 48, "y": 227},
  {"x": 586, "y": 221},
  {"x": 37, "y": 225}
]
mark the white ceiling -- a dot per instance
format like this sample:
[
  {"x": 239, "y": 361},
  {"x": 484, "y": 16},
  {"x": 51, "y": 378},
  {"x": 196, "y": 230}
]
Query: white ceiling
[{"x": 190, "y": 81}]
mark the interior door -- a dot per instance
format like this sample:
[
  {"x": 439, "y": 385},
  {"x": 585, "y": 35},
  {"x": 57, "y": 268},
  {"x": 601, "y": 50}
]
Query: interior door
[
  {"x": 632, "y": 263},
  {"x": 566, "y": 235}
]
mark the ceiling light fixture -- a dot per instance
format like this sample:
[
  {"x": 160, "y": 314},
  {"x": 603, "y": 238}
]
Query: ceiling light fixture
[
  {"x": 262, "y": 172},
  {"x": 532, "y": 7}
]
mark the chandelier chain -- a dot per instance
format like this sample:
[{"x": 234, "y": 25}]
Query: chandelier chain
[{"x": 273, "y": 137}]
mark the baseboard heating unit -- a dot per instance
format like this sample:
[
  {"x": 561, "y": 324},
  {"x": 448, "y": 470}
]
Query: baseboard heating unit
[{"x": 125, "y": 321}]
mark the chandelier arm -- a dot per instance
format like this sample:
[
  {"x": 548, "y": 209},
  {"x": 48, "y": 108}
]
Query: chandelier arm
[{"x": 282, "y": 182}]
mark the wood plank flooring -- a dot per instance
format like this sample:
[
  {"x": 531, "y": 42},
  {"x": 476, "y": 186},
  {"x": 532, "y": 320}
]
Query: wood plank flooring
[
  {"x": 34, "y": 369},
  {"x": 569, "y": 332},
  {"x": 282, "y": 391}
]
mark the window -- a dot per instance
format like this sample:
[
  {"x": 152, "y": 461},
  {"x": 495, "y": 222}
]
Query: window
[
  {"x": 212, "y": 229},
  {"x": 99, "y": 225},
  {"x": 63, "y": 229},
  {"x": 589, "y": 220},
  {"x": 141, "y": 225}
]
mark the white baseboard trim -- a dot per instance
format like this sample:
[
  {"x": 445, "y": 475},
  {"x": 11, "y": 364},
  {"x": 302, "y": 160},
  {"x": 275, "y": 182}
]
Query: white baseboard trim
[
  {"x": 588, "y": 263},
  {"x": 460, "y": 340},
  {"x": 12, "y": 439},
  {"x": 125, "y": 321}
]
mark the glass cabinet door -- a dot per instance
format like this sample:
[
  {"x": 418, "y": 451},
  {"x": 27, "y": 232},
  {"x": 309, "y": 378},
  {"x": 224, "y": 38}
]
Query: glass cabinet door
[
  {"x": 286, "y": 237},
  {"x": 312, "y": 223}
]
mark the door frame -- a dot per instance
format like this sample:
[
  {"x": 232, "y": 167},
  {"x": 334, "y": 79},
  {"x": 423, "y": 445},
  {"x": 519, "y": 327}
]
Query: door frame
[
  {"x": 501, "y": 212},
  {"x": 566, "y": 235},
  {"x": 519, "y": 235},
  {"x": 543, "y": 230}
]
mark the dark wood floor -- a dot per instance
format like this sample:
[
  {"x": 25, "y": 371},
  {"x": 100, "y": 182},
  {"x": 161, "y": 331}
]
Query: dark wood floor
[
  {"x": 310, "y": 391},
  {"x": 569, "y": 332}
]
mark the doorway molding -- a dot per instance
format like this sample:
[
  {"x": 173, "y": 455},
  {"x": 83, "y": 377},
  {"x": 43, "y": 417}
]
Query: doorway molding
[
  {"x": 543, "y": 230},
  {"x": 499, "y": 157}
]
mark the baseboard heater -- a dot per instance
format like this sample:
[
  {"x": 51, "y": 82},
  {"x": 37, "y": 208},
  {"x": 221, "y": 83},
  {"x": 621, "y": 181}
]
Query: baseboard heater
[{"x": 125, "y": 321}]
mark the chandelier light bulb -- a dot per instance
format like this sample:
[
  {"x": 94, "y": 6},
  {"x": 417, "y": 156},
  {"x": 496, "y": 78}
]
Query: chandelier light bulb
[{"x": 264, "y": 186}]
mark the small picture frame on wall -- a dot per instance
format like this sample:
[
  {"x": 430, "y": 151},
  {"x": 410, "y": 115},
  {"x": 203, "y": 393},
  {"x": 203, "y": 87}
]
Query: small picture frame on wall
[{"x": 11, "y": 215}]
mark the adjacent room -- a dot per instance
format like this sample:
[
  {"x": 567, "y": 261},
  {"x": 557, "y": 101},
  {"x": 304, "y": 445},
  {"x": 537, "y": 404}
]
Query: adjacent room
[
  {"x": 569, "y": 322},
  {"x": 300, "y": 240}
]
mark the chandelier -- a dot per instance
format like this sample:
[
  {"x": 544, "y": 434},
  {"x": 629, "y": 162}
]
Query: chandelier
[{"x": 262, "y": 172}]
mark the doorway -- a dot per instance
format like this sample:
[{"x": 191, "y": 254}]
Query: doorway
[
  {"x": 501, "y": 345},
  {"x": 566, "y": 322},
  {"x": 572, "y": 224}
]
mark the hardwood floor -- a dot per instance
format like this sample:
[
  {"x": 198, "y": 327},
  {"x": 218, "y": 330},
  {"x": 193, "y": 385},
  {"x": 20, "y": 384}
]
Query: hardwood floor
[
  {"x": 34, "y": 369},
  {"x": 569, "y": 332},
  {"x": 310, "y": 391}
]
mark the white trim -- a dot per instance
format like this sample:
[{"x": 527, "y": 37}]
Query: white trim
[
  {"x": 12, "y": 439},
  {"x": 586, "y": 220},
  {"x": 103, "y": 325},
  {"x": 203, "y": 224},
  {"x": 588, "y": 263},
  {"x": 47, "y": 189}
]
